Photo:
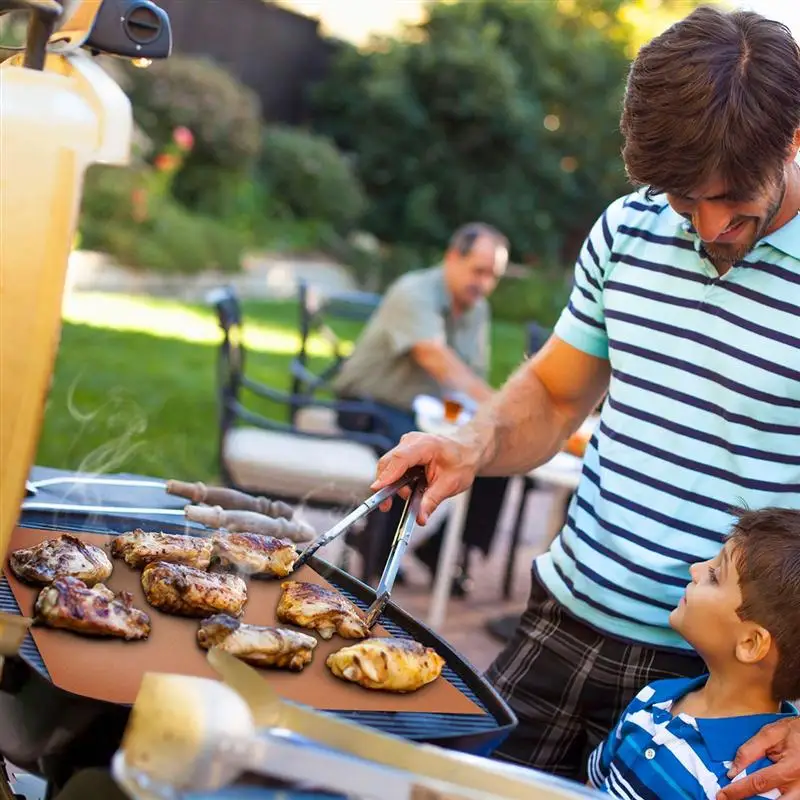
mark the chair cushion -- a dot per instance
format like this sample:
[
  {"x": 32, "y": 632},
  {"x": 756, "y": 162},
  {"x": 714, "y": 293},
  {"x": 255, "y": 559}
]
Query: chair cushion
[
  {"x": 302, "y": 467},
  {"x": 317, "y": 420}
]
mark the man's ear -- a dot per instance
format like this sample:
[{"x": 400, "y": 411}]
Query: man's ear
[
  {"x": 795, "y": 146},
  {"x": 754, "y": 644}
]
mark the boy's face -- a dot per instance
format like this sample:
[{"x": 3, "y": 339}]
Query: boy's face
[{"x": 706, "y": 616}]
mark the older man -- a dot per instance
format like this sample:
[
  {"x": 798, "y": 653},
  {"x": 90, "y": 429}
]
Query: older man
[
  {"x": 685, "y": 309},
  {"x": 430, "y": 336}
]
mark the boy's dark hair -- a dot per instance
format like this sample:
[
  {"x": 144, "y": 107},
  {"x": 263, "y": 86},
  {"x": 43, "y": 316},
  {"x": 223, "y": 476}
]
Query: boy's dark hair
[
  {"x": 716, "y": 95},
  {"x": 767, "y": 557}
]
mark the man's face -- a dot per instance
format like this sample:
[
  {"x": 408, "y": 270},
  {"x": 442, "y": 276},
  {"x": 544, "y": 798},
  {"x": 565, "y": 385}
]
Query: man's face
[
  {"x": 707, "y": 613},
  {"x": 729, "y": 225},
  {"x": 476, "y": 274}
]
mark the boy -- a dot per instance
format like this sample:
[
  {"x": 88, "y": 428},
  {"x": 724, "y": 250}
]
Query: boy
[{"x": 741, "y": 612}]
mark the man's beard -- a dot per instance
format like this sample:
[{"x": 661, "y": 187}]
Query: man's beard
[{"x": 724, "y": 256}]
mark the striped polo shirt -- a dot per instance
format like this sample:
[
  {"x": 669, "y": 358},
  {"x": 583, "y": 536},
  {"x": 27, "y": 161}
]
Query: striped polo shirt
[
  {"x": 651, "y": 754},
  {"x": 702, "y": 413}
]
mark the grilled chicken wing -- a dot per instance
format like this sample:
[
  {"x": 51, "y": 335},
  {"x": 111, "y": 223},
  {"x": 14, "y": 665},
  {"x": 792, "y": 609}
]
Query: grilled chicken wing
[
  {"x": 257, "y": 644},
  {"x": 139, "y": 548},
  {"x": 190, "y": 592},
  {"x": 253, "y": 554},
  {"x": 69, "y": 603},
  {"x": 60, "y": 557},
  {"x": 309, "y": 605},
  {"x": 393, "y": 665}
]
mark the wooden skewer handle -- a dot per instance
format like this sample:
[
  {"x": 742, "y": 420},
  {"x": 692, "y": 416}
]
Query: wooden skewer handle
[
  {"x": 229, "y": 498},
  {"x": 251, "y": 522}
]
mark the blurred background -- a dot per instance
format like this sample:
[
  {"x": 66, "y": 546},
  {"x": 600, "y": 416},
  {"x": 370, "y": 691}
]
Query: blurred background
[{"x": 339, "y": 143}]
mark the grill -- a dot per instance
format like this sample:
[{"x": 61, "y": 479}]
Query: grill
[{"x": 474, "y": 733}]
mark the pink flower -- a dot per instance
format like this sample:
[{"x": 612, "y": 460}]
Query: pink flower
[{"x": 183, "y": 137}]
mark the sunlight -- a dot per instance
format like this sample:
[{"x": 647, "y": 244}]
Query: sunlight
[{"x": 171, "y": 320}]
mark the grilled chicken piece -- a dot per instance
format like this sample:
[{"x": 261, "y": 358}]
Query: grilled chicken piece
[
  {"x": 70, "y": 604},
  {"x": 61, "y": 557},
  {"x": 139, "y": 548},
  {"x": 393, "y": 665},
  {"x": 309, "y": 605},
  {"x": 189, "y": 592},
  {"x": 256, "y": 644},
  {"x": 253, "y": 554}
]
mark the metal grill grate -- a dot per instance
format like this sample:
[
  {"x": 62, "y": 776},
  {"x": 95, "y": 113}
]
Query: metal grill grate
[{"x": 484, "y": 730}]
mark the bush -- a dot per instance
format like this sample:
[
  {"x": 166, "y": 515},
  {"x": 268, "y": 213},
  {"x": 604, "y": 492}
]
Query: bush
[
  {"x": 540, "y": 296},
  {"x": 168, "y": 237},
  {"x": 223, "y": 115},
  {"x": 308, "y": 176}
]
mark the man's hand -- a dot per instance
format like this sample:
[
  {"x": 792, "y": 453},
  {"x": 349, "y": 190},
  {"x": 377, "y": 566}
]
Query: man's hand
[
  {"x": 779, "y": 741},
  {"x": 450, "y": 468}
]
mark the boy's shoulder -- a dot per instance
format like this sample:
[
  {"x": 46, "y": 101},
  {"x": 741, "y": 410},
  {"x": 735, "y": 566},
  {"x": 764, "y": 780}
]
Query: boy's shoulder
[{"x": 665, "y": 690}]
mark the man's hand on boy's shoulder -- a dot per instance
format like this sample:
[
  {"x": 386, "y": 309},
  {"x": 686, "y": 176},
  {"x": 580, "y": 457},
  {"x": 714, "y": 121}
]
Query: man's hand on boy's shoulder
[{"x": 780, "y": 742}]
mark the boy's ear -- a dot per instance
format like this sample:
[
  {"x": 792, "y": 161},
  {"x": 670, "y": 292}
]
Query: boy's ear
[{"x": 754, "y": 644}]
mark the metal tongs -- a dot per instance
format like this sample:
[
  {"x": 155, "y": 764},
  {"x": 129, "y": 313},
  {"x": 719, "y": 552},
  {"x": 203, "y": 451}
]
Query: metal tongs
[{"x": 416, "y": 479}]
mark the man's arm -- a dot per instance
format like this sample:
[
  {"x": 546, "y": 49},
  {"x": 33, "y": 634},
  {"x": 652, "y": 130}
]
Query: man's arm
[
  {"x": 443, "y": 364},
  {"x": 538, "y": 409}
]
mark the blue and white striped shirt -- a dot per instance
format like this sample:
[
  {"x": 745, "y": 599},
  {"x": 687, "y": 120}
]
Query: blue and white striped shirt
[
  {"x": 651, "y": 755},
  {"x": 703, "y": 411}
]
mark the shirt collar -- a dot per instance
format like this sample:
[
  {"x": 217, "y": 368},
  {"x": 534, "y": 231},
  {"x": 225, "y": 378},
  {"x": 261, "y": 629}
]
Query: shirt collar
[
  {"x": 722, "y": 737},
  {"x": 786, "y": 238}
]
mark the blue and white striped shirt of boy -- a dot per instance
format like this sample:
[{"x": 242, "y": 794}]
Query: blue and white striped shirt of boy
[{"x": 652, "y": 755}]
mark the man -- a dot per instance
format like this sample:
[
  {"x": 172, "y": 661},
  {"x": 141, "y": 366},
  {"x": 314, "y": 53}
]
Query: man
[
  {"x": 685, "y": 309},
  {"x": 430, "y": 336}
]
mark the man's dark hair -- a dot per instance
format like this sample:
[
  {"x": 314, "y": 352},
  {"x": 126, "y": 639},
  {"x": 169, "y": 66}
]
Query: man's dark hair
[
  {"x": 716, "y": 94},
  {"x": 767, "y": 557},
  {"x": 464, "y": 238}
]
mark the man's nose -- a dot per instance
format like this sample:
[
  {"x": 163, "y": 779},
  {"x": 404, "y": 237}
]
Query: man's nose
[{"x": 710, "y": 220}]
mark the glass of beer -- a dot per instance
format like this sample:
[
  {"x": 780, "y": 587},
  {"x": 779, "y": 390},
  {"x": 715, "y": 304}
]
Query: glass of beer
[{"x": 453, "y": 406}]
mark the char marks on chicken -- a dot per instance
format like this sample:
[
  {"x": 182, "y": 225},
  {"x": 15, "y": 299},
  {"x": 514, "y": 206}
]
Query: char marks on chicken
[
  {"x": 309, "y": 605},
  {"x": 139, "y": 548},
  {"x": 70, "y": 604},
  {"x": 189, "y": 592},
  {"x": 259, "y": 645},
  {"x": 391, "y": 665},
  {"x": 62, "y": 556}
]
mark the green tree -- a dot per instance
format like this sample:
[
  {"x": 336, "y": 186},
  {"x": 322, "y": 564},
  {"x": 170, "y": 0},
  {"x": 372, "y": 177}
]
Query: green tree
[{"x": 494, "y": 109}]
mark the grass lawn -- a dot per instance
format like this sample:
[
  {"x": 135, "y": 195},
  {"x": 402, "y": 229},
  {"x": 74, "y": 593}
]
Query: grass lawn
[{"x": 134, "y": 388}]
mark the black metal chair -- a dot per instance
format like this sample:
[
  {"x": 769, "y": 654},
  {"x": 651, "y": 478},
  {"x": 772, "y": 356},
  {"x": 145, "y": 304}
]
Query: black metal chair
[
  {"x": 322, "y": 469},
  {"x": 317, "y": 313},
  {"x": 535, "y": 340}
]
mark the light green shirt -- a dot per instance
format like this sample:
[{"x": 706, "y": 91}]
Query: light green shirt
[{"x": 416, "y": 308}]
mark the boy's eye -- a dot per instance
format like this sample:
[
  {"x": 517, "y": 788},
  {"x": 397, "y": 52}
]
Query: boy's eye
[{"x": 712, "y": 575}]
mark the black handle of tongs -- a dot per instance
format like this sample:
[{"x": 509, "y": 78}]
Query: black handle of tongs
[
  {"x": 415, "y": 474},
  {"x": 402, "y": 536}
]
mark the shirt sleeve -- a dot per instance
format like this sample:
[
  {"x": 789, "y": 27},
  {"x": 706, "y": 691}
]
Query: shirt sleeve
[
  {"x": 582, "y": 323},
  {"x": 410, "y": 317},
  {"x": 599, "y": 765}
]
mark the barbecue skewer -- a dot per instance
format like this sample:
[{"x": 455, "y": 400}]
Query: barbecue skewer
[
  {"x": 230, "y": 499},
  {"x": 251, "y": 522}
]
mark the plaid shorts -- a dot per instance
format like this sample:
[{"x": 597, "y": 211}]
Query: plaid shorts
[{"x": 568, "y": 684}]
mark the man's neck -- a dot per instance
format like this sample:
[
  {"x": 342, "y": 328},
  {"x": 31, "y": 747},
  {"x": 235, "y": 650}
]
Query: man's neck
[{"x": 735, "y": 694}]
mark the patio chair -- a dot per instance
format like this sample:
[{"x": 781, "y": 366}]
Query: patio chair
[
  {"x": 535, "y": 340},
  {"x": 318, "y": 311},
  {"x": 329, "y": 470}
]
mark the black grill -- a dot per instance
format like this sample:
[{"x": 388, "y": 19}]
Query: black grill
[{"x": 475, "y": 733}]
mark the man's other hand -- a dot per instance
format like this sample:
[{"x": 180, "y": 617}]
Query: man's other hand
[{"x": 780, "y": 742}]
